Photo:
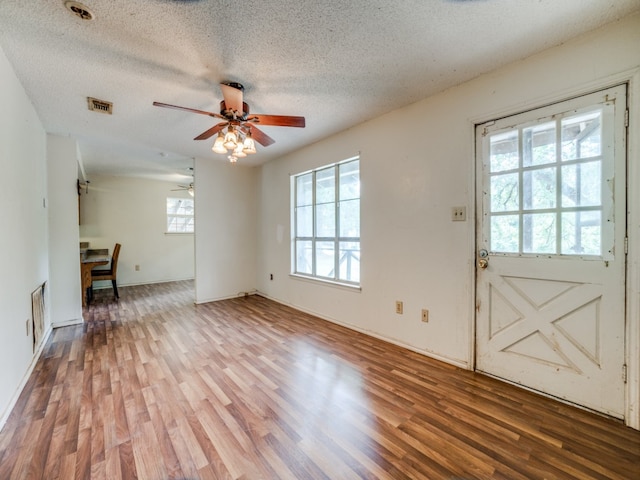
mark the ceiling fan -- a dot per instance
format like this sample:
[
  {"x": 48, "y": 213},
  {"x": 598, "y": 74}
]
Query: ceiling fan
[
  {"x": 188, "y": 188},
  {"x": 239, "y": 128}
]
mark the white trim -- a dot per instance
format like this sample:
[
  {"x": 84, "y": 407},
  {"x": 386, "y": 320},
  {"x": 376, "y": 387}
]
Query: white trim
[
  {"x": 106, "y": 284},
  {"x": 451, "y": 361},
  {"x": 632, "y": 414},
  {"x": 472, "y": 245},
  {"x": 34, "y": 361},
  {"x": 323, "y": 281},
  {"x": 68, "y": 323},
  {"x": 227, "y": 297},
  {"x": 556, "y": 97}
]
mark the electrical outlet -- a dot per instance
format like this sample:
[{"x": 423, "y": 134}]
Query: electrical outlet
[
  {"x": 399, "y": 307},
  {"x": 459, "y": 214},
  {"x": 137, "y": 268},
  {"x": 425, "y": 315},
  {"x": 271, "y": 276}
]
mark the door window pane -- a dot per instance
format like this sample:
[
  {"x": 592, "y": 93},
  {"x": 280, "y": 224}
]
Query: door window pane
[
  {"x": 581, "y": 184},
  {"x": 539, "y": 233},
  {"x": 582, "y": 233},
  {"x": 504, "y": 193},
  {"x": 582, "y": 136},
  {"x": 503, "y": 152},
  {"x": 505, "y": 233},
  {"x": 539, "y": 144},
  {"x": 539, "y": 189}
]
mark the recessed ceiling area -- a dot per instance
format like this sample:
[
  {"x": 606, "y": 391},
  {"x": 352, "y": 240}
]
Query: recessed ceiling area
[{"x": 335, "y": 63}]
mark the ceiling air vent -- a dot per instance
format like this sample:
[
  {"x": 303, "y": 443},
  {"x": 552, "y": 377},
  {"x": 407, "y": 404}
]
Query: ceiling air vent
[
  {"x": 79, "y": 10},
  {"x": 101, "y": 106}
]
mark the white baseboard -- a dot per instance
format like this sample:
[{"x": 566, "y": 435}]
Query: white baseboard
[
  {"x": 25, "y": 379},
  {"x": 452, "y": 361},
  {"x": 73, "y": 321},
  {"x": 228, "y": 297}
]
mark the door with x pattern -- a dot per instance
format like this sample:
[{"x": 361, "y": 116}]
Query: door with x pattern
[{"x": 551, "y": 228}]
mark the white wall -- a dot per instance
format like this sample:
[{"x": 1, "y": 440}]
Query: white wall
[
  {"x": 23, "y": 238},
  {"x": 133, "y": 212},
  {"x": 226, "y": 229},
  {"x": 64, "y": 258},
  {"x": 411, "y": 250}
]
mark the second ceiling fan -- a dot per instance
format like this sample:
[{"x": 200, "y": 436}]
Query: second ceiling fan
[{"x": 238, "y": 128}]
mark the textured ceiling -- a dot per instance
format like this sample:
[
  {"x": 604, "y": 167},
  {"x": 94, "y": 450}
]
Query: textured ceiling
[{"x": 337, "y": 63}]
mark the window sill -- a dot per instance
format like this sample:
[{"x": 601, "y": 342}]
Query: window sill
[{"x": 329, "y": 283}]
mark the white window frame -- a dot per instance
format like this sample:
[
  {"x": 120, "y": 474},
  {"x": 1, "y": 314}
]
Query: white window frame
[
  {"x": 314, "y": 238},
  {"x": 172, "y": 216}
]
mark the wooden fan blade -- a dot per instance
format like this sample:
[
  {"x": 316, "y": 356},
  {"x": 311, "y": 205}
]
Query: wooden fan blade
[
  {"x": 232, "y": 96},
  {"x": 259, "y": 136},
  {"x": 187, "y": 109},
  {"x": 212, "y": 131},
  {"x": 277, "y": 120}
]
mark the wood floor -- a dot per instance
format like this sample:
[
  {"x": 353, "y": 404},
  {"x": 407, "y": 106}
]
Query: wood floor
[{"x": 154, "y": 387}]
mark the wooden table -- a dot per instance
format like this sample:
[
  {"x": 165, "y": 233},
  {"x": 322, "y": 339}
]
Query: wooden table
[{"x": 87, "y": 262}]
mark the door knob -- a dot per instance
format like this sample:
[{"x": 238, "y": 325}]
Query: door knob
[{"x": 483, "y": 263}]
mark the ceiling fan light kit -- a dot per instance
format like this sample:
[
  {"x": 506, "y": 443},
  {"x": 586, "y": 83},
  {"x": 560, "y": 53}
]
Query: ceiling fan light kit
[{"x": 237, "y": 134}]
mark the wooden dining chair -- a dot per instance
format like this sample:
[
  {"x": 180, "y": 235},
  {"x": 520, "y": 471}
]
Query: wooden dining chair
[{"x": 109, "y": 274}]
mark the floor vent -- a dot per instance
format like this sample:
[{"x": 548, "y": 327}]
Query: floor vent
[
  {"x": 38, "y": 315},
  {"x": 101, "y": 106}
]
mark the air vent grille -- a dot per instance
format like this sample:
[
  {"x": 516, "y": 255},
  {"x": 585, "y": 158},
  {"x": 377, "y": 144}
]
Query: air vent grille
[
  {"x": 101, "y": 106},
  {"x": 79, "y": 10}
]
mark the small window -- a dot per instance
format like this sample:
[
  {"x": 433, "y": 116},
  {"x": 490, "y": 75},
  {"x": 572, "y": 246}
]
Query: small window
[
  {"x": 326, "y": 222},
  {"x": 180, "y": 217}
]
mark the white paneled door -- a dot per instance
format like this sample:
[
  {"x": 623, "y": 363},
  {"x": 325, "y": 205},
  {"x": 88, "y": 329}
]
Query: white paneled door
[{"x": 550, "y": 283}]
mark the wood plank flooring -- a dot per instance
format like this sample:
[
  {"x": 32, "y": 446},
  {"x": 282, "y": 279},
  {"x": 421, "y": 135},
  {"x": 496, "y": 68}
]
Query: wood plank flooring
[{"x": 155, "y": 387}]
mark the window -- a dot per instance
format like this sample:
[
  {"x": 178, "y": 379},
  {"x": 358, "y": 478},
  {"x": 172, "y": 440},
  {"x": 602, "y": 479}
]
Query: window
[
  {"x": 546, "y": 185},
  {"x": 180, "y": 217},
  {"x": 326, "y": 222}
]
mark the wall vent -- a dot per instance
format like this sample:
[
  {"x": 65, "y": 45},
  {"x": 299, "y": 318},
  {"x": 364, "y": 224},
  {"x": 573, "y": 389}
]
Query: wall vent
[
  {"x": 79, "y": 10},
  {"x": 101, "y": 106},
  {"x": 38, "y": 316}
]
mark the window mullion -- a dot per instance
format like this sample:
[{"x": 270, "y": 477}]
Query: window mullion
[
  {"x": 559, "y": 185},
  {"x": 520, "y": 192},
  {"x": 336, "y": 233},
  {"x": 296, "y": 241},
  {"x": 314, "y": 230}
]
